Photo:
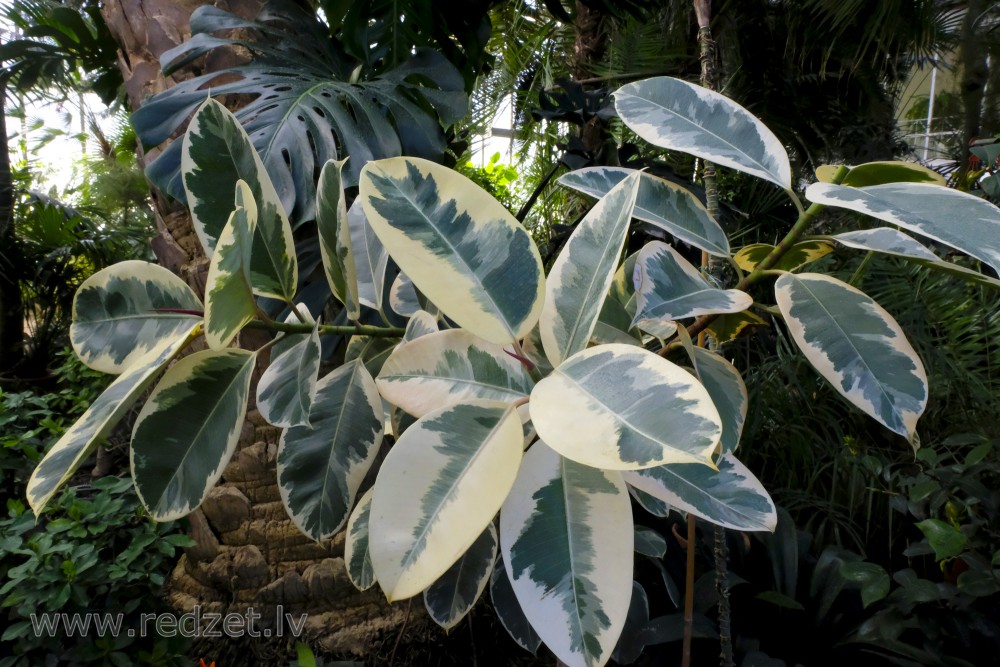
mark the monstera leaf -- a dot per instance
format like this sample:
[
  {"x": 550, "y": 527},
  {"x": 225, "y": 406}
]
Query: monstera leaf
[{"x": 306, "y": 106}]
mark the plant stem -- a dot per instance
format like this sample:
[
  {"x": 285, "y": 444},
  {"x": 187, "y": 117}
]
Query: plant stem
[
  {"x": 763, "y": 269},
  {"x": 703, "y": 11},
  {"x": 721, "y": 553},
  {"x": 299, "y": 316},
  {"x": 523, "y": 212},
  {"x": 533, "y": 371},
  {"x": 860, "y": 271},
  {"x": 325, "y": 329},
  {"x": 689, "y": 593}
]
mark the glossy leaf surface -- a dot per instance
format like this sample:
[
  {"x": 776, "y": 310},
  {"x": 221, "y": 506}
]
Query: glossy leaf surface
[
  {"x": 566, "y": 535},
  {"x": 438, "y": 489},
  {"x": 957, "y": 219},
  {"x": 187, "y": 431},
  {"x": 579, "y": 280},
  {"x": 81, "y": 439},
  {"x": 450, "y": 367},
  {"x": 459, "y": 246},
  {"x": 730, "y": 497},
  {"x": 119, "y": 314},
  {"x": 857, "y": 346},
  {"x": 681, "y": 116},
  {"x": 659, "y": 202},
  {"x": 623, "y": 408},
  {"x": 321, "y": 465}
]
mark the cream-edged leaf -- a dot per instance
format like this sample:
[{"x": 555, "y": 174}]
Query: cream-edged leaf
[
  {"x": 452, "y": 596},
  {"x": 403, "y": 297},
  {"x": 321, "y": 465},
  {"x": 888, "y": 240},
  {"x": 187, "y": 431},
  {"x": 580, "y": 278},
  {"x": 729, "y": 394},
  {"x": 659, "y": 202},
  {"x": 654, "y": 506},
  {"x": 217, "y": 153},
  {"x": 668, "y": 287},
  {"x": 449, "y": 367},
  {"x": 229, "y": 302},
  {"x": 82, "y": 438},
  {"x": 421, "y": 323},
  {"x": 856, "y": 346},
  {"x": 624, "y": 408},
  {"x": 730, "y": 496},
  {"x": 119, "y": 314},
  {"x": 663, "y": 330},
  {"x": 335, "y": 238},
  {"x": 286, "y": 390},
  {"x": 567, "y": 541},
  {"x": 370, "y": 257},
  {"x": 461, "y": 248},
  {"x": 438, "y": 489},
  {"x": 509, "y": 611},
  {"x": 357, "y": 558},
  {"x": 957, "y": 219},
  {"x": 894, "y": 242},
  {"x": 681, "y": 116}
]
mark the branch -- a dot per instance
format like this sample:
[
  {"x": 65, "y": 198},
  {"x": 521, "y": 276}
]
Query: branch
[
  {"x": 763, "y": 269},
  {"x": 324, "y": 329}
]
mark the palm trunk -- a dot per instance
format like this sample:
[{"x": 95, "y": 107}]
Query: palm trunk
[{"x": 248, "y": 552}]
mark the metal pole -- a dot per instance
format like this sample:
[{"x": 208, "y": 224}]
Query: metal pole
[{"x": 930, "y": 108}]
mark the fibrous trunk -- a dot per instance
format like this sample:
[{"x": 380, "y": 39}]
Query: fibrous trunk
[{"x": 248, "y": 552}]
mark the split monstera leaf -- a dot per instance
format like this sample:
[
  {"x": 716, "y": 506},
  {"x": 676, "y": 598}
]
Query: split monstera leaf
[{"x": 538, "y": 398}]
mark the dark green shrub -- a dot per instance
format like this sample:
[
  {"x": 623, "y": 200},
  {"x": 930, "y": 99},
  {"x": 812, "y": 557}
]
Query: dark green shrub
[{"x": 93, "y": 551}]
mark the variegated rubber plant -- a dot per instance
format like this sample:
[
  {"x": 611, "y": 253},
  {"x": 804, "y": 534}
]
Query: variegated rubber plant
[{"x": 549, "y": 400}]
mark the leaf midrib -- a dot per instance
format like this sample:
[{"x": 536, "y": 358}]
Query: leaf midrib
[
  {"x": 421, "y": 538},
  {"x": 329, "y": 473},
  {"x": 850, "y": 342},
  {"x": 618, "y": 418},
  {"x": 709, "y": 132},
  {"x": 454, "y": 251},
  {"x": 646, "y": 215},
  {"x": 701, "y": 493},
  {"x": 620, "y": 229},
  {"x": 236, "y": 377}
]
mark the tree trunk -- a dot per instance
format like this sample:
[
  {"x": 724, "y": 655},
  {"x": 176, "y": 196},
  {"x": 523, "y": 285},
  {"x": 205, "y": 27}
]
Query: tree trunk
[
  {"x": 589, "y": 44},
  {"x": 248, "y": 552},
  {"x": 975, "y": 73},
  {"x": 11, "y": 306}
]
